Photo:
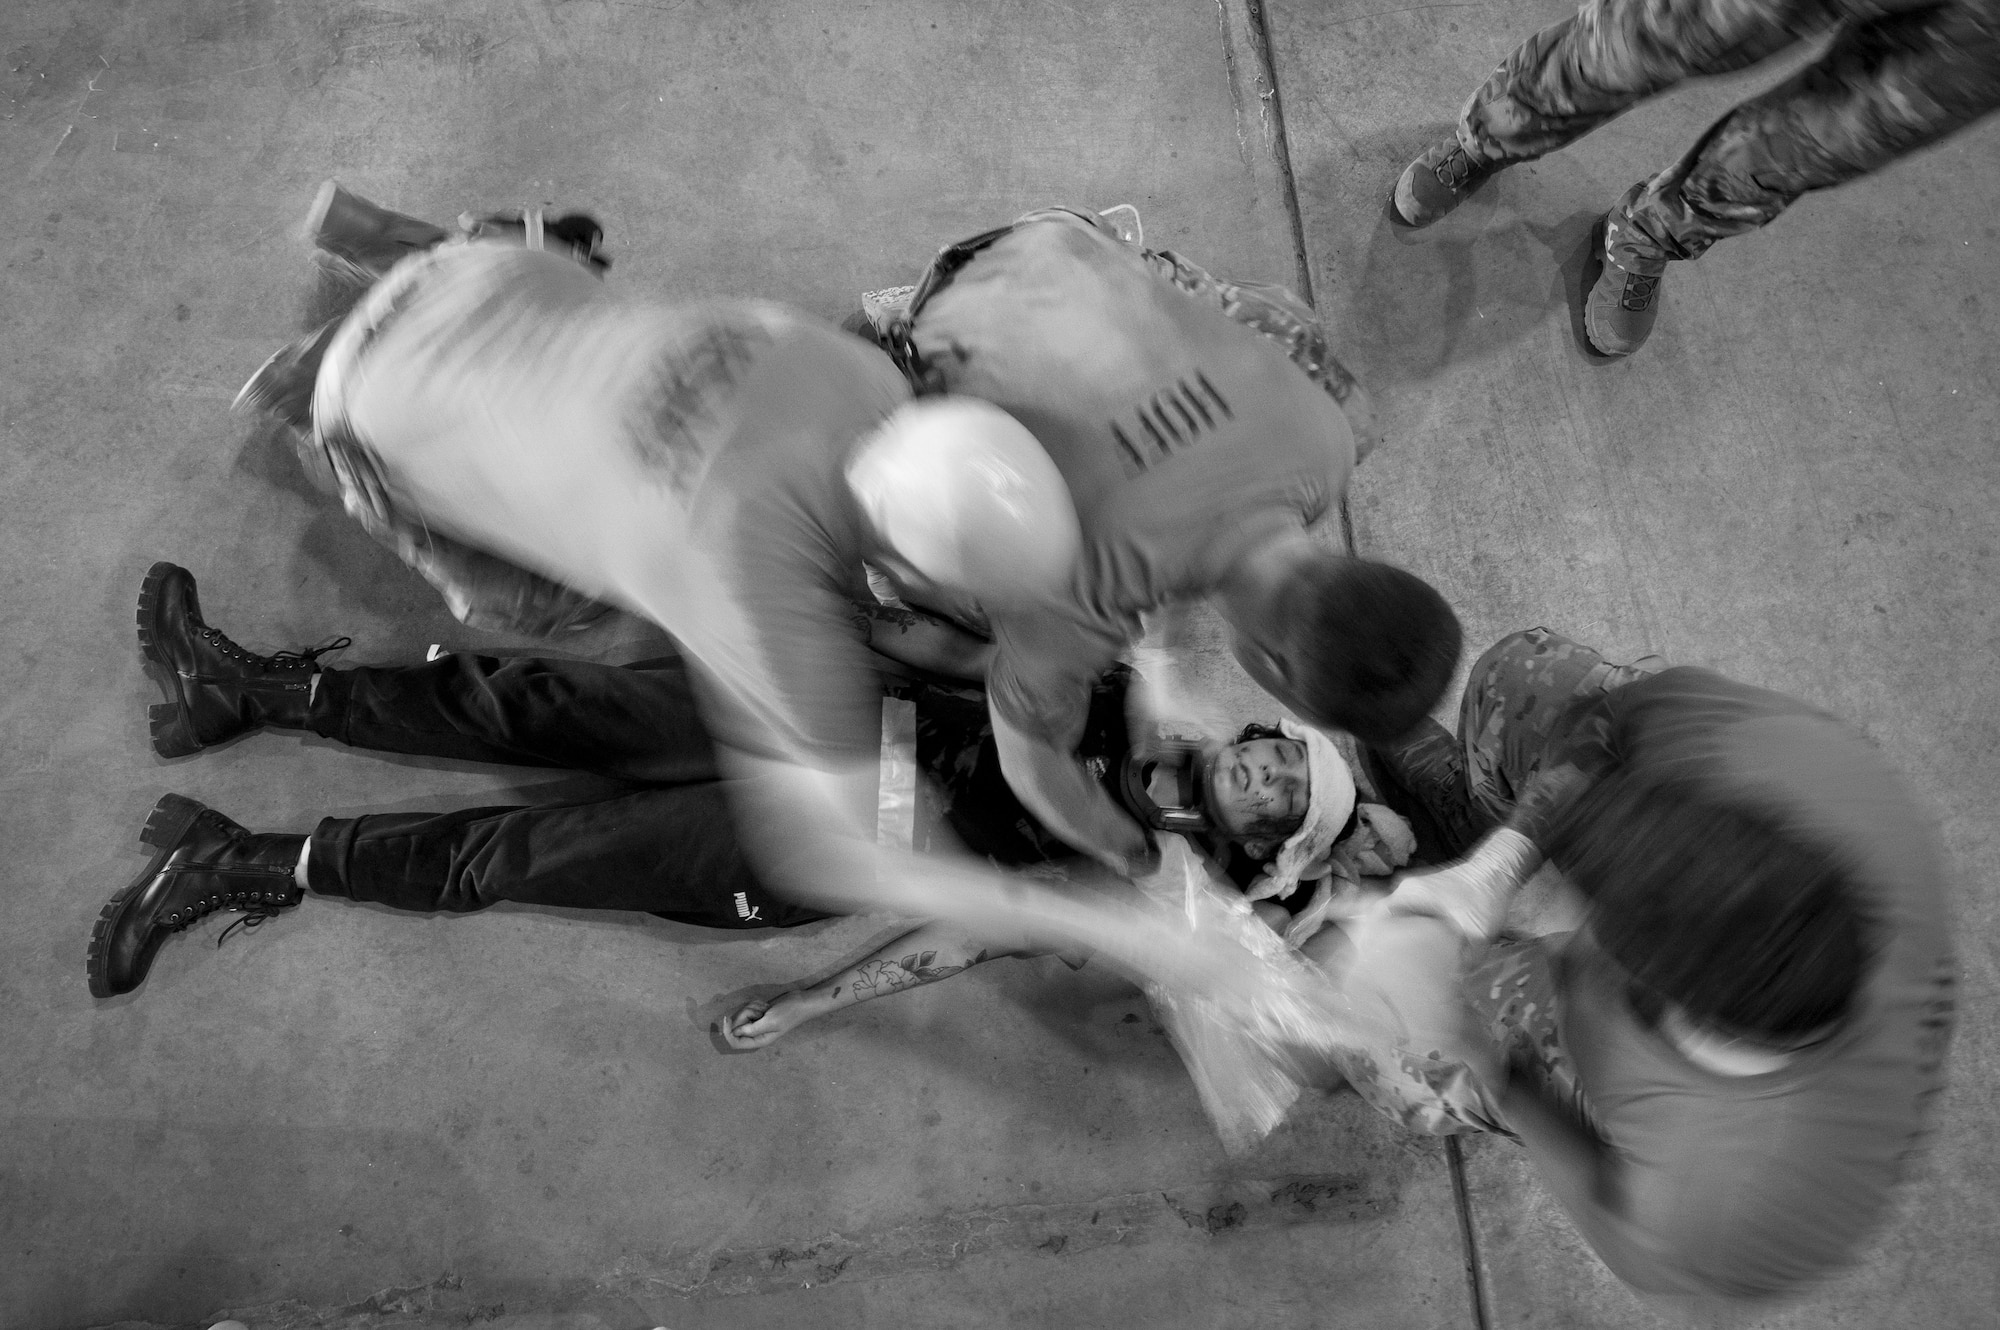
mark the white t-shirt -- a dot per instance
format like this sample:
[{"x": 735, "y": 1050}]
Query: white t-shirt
[{"x": 685, "y": 462}]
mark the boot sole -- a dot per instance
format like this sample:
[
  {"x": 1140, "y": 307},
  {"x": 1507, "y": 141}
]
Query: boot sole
[
  {"x": 167, "y": 721},
  {"x": 166, "y": 826}
]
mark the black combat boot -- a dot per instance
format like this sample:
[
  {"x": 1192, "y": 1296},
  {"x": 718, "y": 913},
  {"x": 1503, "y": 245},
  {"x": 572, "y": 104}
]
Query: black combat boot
[
  {"x": 369, "y": 236},
  {"x": 205, "y": 863},
  {"x": 215, "y": 689}
]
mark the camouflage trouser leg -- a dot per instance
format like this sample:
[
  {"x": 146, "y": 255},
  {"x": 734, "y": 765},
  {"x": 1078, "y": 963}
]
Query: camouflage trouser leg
[
  {"x": 1900, "y": 74},
  {"x": 1515, "y": 993},
  {"x": 1568, "y": 79},
  {"x": 1513, "y": 698},
  {"x": 1517, "y": 691},
  {"x": 1468, "y": 783},
  {"x": 1886, "y": 87}
]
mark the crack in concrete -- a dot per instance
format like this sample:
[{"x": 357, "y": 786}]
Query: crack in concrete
[
  {"x": 1230, "y": 67},
  {"x": 1261, "y": 86},
  {"x": 1207, "y": 1209}
]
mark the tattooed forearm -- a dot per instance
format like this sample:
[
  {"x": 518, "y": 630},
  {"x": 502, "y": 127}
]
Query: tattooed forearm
[
  {"x": 923, "y": 639},
  {"x": 874, "y": 978}
]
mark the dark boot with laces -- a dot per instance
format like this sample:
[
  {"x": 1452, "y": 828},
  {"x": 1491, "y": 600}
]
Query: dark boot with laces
[
  {"x": 215, "y": 689},
  {"x": 205, "y": 863},
  {"x": 1619, "y": 310},
  {"x": 1439, "y": 181}
]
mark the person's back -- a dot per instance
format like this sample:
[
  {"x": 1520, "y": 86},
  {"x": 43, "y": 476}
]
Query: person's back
[
  {"x": 1198, "y": 455},
  {"x": 1182, "y": 434},
  {"x": 683, "y": 461}
]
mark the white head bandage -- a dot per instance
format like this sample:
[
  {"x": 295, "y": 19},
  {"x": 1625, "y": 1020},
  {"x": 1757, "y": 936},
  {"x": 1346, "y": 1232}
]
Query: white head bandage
[{"x": 1330, "y": 802}]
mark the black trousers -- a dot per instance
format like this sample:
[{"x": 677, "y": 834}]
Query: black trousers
[{"x": 667, "y": 844}]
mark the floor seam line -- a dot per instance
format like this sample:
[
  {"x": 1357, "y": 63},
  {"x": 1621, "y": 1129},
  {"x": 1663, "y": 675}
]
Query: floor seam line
[
  {"x": 1281, "y": 152},
  {"x": 1281, "y": 146},
  {"x": 1468, "y": 1236}
]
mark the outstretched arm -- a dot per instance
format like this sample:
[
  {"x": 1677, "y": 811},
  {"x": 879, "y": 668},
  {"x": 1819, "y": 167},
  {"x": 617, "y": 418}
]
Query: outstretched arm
[{"x": 924, "y": 956}]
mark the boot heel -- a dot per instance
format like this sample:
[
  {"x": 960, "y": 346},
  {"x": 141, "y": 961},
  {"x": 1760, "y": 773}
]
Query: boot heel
[
  {"x": 169, "y": 821},
  {"x": 170, "y": 735}
]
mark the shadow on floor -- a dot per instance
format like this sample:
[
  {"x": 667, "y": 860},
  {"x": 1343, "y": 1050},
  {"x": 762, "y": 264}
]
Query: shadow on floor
[{"x": 1465, "y": 288}]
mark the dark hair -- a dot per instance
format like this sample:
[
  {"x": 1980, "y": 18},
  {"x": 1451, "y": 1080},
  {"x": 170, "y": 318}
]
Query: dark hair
[
  {"x": 1713, "y": 907},
  {"x": 1371, "y": 647}
]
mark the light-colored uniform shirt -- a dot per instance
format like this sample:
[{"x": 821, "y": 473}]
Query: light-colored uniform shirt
[
  {"x": 685, "y": 462},
  {"x": 1186, "y": 439}
]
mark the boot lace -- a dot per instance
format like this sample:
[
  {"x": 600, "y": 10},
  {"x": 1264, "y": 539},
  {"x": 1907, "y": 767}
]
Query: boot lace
[
  {"x": 1456, "y": 168},
  {"x": 216, "y": 638},
  {"x": 1638, "y": 294},
  {"x": 256, "y": 907},
  {"x": 249, "y": 919},
  {"x": 312, "y": 654}
]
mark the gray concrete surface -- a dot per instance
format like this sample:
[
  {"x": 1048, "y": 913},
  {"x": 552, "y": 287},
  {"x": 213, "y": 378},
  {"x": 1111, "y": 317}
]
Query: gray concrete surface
[
  {"x": 1794, "y": 482},
  {"x": 353, "y": 1117}
]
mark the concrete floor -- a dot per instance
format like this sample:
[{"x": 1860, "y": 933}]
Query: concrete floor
[{"x": 353, "y": 1117}]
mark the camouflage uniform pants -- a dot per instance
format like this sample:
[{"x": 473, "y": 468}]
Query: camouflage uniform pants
[
  {"x": 1513, "y": 698},
  {"x": 1515, "y": 694},
  {"x": 1514, "y": 993},
  {"x": 1898, "y": 76}
]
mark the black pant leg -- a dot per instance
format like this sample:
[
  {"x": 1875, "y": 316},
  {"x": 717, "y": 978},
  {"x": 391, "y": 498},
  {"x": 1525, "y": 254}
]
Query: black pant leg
[
  {"x": 636, "y": 722},
  {"x": 671, "y": 851}
]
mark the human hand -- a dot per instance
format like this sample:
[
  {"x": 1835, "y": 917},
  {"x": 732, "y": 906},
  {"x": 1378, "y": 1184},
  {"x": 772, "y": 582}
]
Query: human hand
[
  {"x": 764, "y": 1021},
  {"x": 1381, "y": 843},
  {"x": 1471, "y": 894},
  {"x": 1464, "y": 895}
]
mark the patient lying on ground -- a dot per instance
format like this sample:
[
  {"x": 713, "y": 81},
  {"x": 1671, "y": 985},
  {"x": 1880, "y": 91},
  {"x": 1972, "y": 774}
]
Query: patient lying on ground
[{"x": 1274, "y": 811}]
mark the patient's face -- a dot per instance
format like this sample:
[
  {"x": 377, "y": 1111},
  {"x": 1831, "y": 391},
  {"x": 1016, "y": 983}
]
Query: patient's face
[{"x": 1256, "y": 782}]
